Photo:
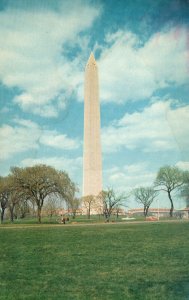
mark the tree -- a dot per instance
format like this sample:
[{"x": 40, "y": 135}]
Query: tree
[
  {"x": 111, "y": 200},
  {"x": 88, "y": 202},
  {"x": 22, "y": 208},
  {"x": 145, "y": 195},
  {"x": 185, "y": 188},
  {"x": 4, "y": 195},
  {"x": 118, "y": 210},
  {"x": 169, "y": 179},
  {"x": 15, "y": 197},
  {"x": 41, "y": 181},
  {"x": 51, "y": 205},
  {"x": 74, "y": 204},
  {"x": 10, "y": 196}
]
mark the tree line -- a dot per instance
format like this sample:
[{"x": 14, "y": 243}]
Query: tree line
[
  {"x": 169, "y": 179},
  {"x": 34, "y": 186}
]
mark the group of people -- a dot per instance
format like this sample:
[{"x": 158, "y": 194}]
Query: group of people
[{"x": 64, "y": 219}]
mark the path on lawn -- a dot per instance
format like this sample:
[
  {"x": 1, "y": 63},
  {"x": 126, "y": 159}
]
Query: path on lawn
[{"x": 75, "y": 224}]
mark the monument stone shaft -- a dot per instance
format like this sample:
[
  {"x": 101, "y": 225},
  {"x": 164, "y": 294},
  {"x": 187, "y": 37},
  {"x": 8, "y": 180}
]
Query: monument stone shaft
[{"x": 92, "y": 156}]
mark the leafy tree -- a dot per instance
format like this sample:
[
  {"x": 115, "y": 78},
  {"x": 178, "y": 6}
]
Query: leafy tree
[
  {"x": 111, "y": 200},
  {"x": 169, "y": 179},
  {"x": 145, "y": 196},
  {"x": 15, "y": 197},
  {"x": 22, "y": 208},
  {"x": 10, "y": 196},
  {"x": 4, "y": 195},
  {"x": 41, "y": 181}
]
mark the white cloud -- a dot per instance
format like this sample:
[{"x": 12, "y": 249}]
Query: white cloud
[
  {"x": 26, "y": 123},
  {"x": 131, "y": 71},
  {"x": 159, "y": 127},
  {"x": 71, "y": 165},
  {"x": 16, "y": 140},
  {"x": 27, "y": 135},
  {"x": 56, "y": 140},
  {"x": 127, "y": 177},
  {"x": 179, "y": 125},
  {"x": 184, "y": 165},
  {"x": 33, "y": 44},
  {"x": 135, "y": 168}
]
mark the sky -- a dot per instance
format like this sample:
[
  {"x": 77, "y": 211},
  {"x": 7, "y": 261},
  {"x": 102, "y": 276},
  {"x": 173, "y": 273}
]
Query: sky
[{"x": 142, "y": 52}]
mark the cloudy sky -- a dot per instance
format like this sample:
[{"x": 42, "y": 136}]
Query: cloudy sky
[{"x": 142, "y": 51}]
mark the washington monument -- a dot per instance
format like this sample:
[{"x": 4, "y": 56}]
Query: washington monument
[{"x": 92, "y": 157}]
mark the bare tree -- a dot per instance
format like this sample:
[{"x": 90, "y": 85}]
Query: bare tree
[
  {"x": 51, "y": 205},
  {"x": 74, "y": 204},
  {"x": 88, "y": 203},
  {"x": 118, "y": 210},
  {"x": 169, "y": 179},
  {"x": 145, "y": 196},
  {"x": 111, "y": 200}
]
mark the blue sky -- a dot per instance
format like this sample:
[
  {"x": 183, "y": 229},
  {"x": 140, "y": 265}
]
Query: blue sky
[{"x": 141, "y": 48}]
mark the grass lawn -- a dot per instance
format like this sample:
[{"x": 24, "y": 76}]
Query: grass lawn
[
  {"x": 78, "y": 219},
  {"x": 113, "y": 261}
]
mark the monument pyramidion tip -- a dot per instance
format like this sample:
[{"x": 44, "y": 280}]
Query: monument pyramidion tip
[{"x": 91, "y": 60}]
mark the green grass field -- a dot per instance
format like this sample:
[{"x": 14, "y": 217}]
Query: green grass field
[{"x": 113, "y": 261}]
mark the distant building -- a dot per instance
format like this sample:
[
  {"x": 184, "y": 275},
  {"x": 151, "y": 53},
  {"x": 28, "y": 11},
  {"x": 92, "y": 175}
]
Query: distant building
[
  {"x": 63, "y": 212},
  {"x": 163, "y": 212},
  {"x": 184, "y": 212}
]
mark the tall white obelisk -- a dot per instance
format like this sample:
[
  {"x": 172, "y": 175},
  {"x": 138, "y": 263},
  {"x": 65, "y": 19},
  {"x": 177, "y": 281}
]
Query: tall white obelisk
[{"x": 92, "y": 156}]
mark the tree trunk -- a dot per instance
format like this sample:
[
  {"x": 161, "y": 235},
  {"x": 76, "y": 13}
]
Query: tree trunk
[
  {"x": 172, "y": 206},
  {"x": 147, "y": 207},
  {"x": 39, "y": 214},
  {"x": 89, "y": 212},
  {"x": 144, "y": 211},
  {"x": 11, "y": 214},
  {"x": 2, "y": 214}
]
